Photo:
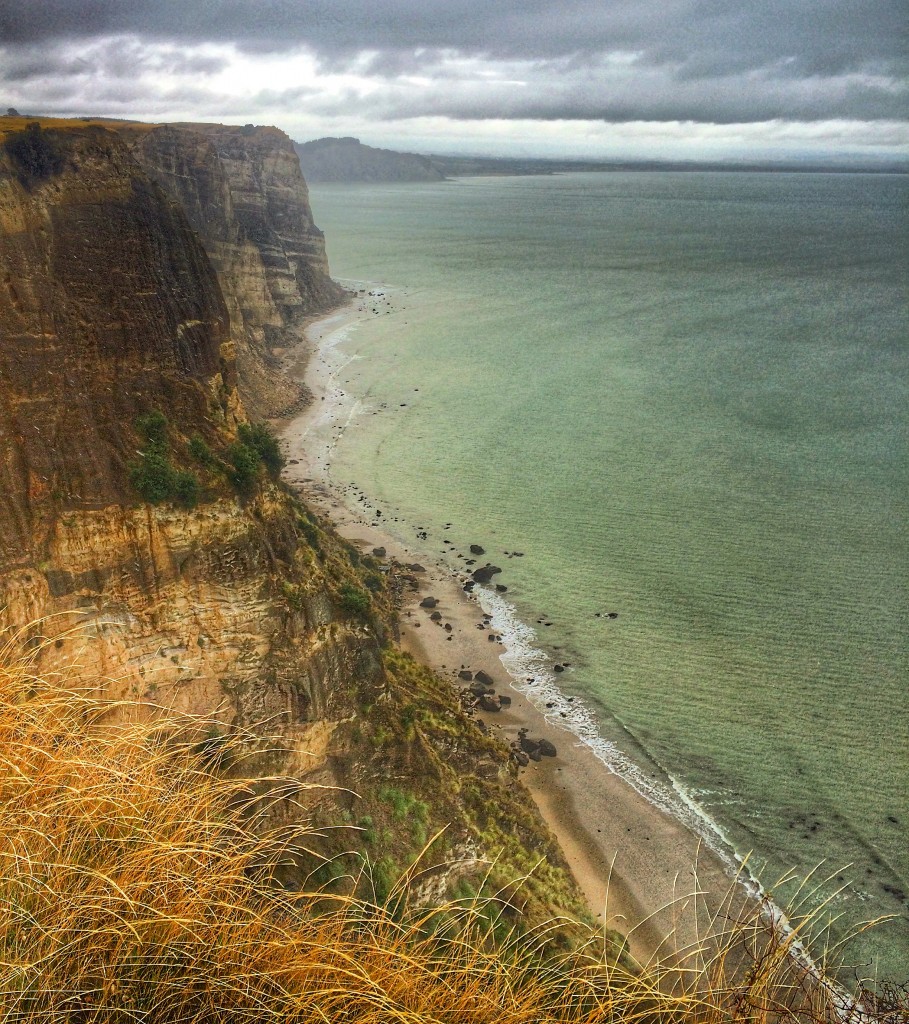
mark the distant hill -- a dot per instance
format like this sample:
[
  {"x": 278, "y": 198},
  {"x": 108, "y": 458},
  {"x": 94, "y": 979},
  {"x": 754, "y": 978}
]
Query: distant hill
[{"x": 348, "y": 159}]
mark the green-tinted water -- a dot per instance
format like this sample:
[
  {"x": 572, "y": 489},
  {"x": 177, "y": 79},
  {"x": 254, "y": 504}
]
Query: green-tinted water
[{"x": 684, "y": 397}]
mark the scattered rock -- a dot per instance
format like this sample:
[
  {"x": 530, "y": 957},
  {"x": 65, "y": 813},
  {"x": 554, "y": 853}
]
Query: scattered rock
[
  {"x": 468, "y": 587},
  {"x": 612, "y": 615},
  {"x": 484, "y": 677},
  {"x": 465, "y": 673},
  {"x": 478, "y": 689},
  {"x": 416, "y": 567},
  {"x": 428, "y": 602},
  {"x": 501, "y": 588},
  {"x": 558, "y": 668},
  {"x": 448, "y": 627},
  {"x": 546, "y": 748},
  {"x": 378, "y": 552},
  {"x": 489, "y": 703},
  {"x": 522, "y": 759},
  {"x": 485, "y": 573},
  {"x": 475, "y": 549},
  {"x": 436, "y": 616},
  {"x": 505, "y": 700}
]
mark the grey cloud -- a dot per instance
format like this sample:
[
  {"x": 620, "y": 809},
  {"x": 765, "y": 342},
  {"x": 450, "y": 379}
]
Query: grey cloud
[{"x": 722, "y": 61}]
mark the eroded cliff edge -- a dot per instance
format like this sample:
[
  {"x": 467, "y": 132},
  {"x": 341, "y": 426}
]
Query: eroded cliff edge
[
  {"x": 243, "y": 192},
  {"x": 233, "y": 601}
]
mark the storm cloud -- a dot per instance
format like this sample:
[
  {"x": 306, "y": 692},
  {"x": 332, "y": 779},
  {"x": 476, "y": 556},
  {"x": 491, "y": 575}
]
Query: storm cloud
[{"x": 703, "y": 62}]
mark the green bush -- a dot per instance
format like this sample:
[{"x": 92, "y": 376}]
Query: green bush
[
  {"x": 186, "y": 488},
  {"x": 153, "y": 426},
  {"x": 354, "y": 601},
  {"x": 244, "y": 462},
  {"x": 200, "y": 450},
  {"x": 258, "y": 437},
  {"x": 153, "y": 476}
]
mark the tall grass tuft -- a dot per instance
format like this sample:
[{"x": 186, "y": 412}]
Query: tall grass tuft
[{"x": 135, "y": 885}]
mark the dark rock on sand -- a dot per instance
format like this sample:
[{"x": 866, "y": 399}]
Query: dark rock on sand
[
  {"x": 428, "y": 602},
  {"x": 378, "y": 552},
  {"x": 501, "y": 588},
  {"x": 416, "y": 567},
  {"x": 558, "y": 668},
  {"x": 465, "y": 673},
  {"x": 522, "y": 759},
  {"x": 484, "y": 677},
  {"x": 475, "y": 549},
  {"x": 546, "y": 748},
  {"x": 505, "y": 700},
  {"x": 436, "y": 616},
  {"x": 489, "y": 703}
]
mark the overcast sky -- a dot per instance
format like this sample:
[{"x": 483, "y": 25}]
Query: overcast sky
[{"x": 598, "y": 78}]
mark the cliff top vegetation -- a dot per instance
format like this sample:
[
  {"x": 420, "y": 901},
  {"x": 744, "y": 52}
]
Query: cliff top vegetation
[{"x": 134, "y": 879}]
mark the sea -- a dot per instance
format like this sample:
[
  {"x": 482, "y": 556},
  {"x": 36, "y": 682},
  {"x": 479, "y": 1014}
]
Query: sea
[{"x": 673, "y": 408}]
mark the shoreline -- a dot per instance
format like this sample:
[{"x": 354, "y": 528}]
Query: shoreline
[{"x": 641, "y": 869}]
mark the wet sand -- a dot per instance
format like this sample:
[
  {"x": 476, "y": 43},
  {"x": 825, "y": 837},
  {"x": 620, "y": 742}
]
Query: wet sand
[{"x": 638, "y": 866}]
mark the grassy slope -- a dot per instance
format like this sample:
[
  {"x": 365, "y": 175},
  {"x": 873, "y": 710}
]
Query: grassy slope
[{"x": 132, "y": 880}]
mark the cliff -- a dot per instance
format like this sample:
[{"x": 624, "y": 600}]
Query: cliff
[
  {"x": 244, "y": 195},
  {"x": 348, "y": 159},
  {"x": 138, "y": 520}
]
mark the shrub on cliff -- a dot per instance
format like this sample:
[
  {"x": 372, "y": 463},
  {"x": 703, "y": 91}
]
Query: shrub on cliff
[
  {"x": 262, "y": 441},
  {"x": 354, "y": 601},
  {"x": 35, "y": 155},
  {"x": 244, "y": 463},
  {"x": 153, "y": 475}
]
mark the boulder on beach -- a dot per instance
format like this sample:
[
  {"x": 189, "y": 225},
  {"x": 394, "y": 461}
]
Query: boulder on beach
[
  {"x": 522, "y": 759},
  {"x": 526, "y": 744},
  {"x": 558, "y": 668},
  {"x": 489, "y": 703},
  {"x": 484, "y": 677},
  {"x": 416, "y": 567},
  {"x": 436, "y": 616},
  {"x": 478, "y": 689},
  {"x": 378, "y": 552},
  {"x": 505, "y": 700},
  {"x": 546, "y": 748},
  {"x": 501, "y": 588},
  {"x": 475, "y": 549},
  {"x": 485, "y": 573},
  {"x": 465, "y": 673},
  {"x": 428, "y": 602}
]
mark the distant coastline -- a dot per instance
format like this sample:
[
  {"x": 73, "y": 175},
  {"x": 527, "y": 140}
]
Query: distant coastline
[{"x": 349, "y": 160}]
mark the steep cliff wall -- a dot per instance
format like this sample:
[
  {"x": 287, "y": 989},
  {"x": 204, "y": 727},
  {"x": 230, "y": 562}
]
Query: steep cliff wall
[
  {"x": 238, "y": 604},
  {"x": 244, "y": 194}
]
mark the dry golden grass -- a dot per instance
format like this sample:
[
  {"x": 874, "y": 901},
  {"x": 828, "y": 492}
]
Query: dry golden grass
[
  {"x": 18, "y": 123},
  {"x": 135, "y": 887}
]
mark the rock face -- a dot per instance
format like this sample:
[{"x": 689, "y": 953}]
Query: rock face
[
  {"x": 348, "y": 159},
  {"x": 107, "y": 303},
  {"x": 110, "y": 308},
  {"x": 244, "y": 195},
  {"x": 245, "y": 608}
]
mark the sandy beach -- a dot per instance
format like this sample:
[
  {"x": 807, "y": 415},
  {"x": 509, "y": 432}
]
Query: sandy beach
[{"x": 638, "y": 866}]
